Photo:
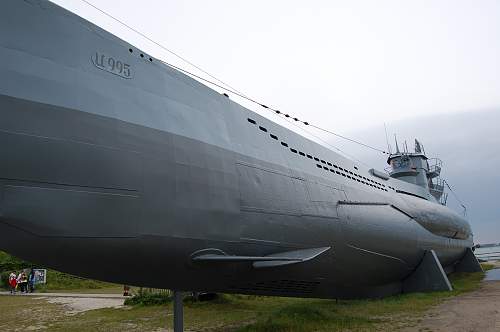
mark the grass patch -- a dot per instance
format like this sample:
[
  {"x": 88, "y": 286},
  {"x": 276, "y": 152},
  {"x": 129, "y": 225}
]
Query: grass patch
[
  {"x": 385, "y": 314},
  {"x": 310, "y": 316},
  {"x": 147, "y": 298},
  {"x": 56, "y": 281},
  {"x": 231, "y": 313}
]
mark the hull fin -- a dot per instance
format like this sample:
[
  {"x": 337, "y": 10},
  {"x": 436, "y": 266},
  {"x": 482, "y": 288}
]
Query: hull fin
[{"x": 273, "y": 260}]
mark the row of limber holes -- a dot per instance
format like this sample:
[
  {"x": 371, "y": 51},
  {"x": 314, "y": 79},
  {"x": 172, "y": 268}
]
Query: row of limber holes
[
  {"x": 352, "y": 176},
  {"x": 141, "y": 55}
]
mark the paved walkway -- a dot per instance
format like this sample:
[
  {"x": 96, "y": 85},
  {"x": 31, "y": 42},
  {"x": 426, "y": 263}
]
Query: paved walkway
[
  {"x": 75, "y": 302},
  {"x": 73, "y": 295},
  {"x": 476, "y": 311}
]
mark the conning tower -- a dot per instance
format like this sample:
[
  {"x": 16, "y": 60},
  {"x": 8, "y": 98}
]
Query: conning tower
[{"x": 415, "y": 167}]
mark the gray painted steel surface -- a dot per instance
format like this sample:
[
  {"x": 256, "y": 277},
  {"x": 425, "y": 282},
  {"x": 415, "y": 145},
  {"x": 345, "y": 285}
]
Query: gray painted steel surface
[
  {"x": 428, "y": 276},
  {"x": 469, "y": 263},
  {"x": 116, "y": 167}
]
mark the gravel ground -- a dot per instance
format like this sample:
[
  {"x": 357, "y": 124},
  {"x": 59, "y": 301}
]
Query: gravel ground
[
  {"x": 76, "y": 305},
  {"x": 77, "y": 302},
  {"x": 476, "y": 311}
]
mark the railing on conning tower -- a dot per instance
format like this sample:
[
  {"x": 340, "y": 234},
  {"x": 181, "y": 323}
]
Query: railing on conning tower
[
  {"x": 435, "y": 166},
  {"x": 436, "y": 187}
]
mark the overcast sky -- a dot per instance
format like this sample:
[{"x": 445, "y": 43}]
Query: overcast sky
[
  {"x": 348, "y": 66},
  {"x": 345, "y": 64},
  {"x": 468, "y": 144}
]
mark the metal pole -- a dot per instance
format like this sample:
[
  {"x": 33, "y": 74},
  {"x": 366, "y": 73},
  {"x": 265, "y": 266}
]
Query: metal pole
[{"x": 178, "y": 312}]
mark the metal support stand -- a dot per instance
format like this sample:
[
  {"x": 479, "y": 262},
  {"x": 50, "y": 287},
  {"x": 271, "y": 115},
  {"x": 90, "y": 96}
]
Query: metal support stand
[
  {"x": 178, "y": 312},
  {"x": 468, "y": 263},
  {"x": 428, "y": 277}
]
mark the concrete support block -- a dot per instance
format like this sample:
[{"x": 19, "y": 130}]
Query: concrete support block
[
  {"x": 468, "y": 263},
  {"x": 428, "y": 277}
]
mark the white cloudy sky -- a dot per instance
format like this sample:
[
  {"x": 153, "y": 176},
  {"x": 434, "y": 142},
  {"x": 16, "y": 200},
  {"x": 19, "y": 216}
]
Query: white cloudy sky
[
  {"x": 350, "y": 66},
  {"x": 346, "y": 64}
]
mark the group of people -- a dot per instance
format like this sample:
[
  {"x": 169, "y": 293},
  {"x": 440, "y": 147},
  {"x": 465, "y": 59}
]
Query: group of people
[{"x": 23, "y": 282}]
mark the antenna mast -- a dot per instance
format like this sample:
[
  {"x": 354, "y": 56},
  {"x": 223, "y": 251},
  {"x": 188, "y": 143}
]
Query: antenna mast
[{"x": 387, "y": 140}]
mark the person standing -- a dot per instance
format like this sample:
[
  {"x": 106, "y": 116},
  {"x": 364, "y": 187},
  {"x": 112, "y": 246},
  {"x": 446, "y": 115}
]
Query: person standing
[
  {"x": 12, "y": 282},
  {"x": 31, "y": 281},
  {"x": 22, "y": 281},
  {"x": 18, "y": 280}
]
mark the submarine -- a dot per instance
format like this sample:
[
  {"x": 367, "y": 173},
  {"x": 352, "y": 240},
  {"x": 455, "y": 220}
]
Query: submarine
[{"x": 117, "y": 167}]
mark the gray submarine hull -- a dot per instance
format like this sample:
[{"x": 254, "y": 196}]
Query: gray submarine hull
[{"x": 117, "y": 167}]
